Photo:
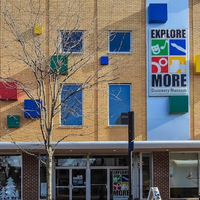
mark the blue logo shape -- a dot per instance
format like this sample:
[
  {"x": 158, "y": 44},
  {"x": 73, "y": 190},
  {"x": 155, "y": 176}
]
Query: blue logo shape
[
  {"x": 177, "y": 47},
  {"x": 125, "y": 178}
]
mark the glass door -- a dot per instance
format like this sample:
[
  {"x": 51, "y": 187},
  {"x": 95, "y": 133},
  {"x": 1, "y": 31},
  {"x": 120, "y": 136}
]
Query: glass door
[
  {"x": 78, "y": 184},
  {"x": 70, "y": 184},
  {"x": 98, "y": 184},
  {"x": 62, "y": 184}
]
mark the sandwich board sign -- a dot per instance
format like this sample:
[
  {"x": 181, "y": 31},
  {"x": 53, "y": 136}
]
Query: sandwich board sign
[{"x": 154, "y": 194}]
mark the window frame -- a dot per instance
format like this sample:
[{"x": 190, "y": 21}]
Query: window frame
[
  {"x": 61, "y": 44},
  {"x": 118, "y": 52},
  {"x": 130, "y": 86},
  {"x": 62, "y": 125}
]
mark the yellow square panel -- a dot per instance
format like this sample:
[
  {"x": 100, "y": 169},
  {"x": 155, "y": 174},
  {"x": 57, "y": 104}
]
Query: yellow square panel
[
  {"x": 38, "y": 29},
  {"x": 197, "y": 64}
]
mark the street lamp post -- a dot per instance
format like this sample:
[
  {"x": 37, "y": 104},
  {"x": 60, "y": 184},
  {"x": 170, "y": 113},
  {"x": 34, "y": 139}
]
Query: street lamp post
[{"x": 131, "y": 137}]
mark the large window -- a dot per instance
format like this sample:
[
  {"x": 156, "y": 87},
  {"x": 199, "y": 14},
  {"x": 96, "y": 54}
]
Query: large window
[
  {"x": 10, "y": 176},
  {"x": 119, "y": 103},
  {"x": 71, "y": 105},
  {"x": 119, "y": 41},
  {"x": 183, "y": 175},
  {"x": 71, "y": 41}
]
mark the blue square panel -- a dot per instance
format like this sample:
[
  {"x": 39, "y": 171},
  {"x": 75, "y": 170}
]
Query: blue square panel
[
  {"x": 177, "y": 47},
  {"x": 104, "y": 60},
  {"x": 31, "y": 108},
  {"x": 157, "y": 13}
]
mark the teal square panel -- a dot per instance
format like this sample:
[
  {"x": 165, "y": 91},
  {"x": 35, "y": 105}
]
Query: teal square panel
[
  {"x": 178, "y": 104},
  {"x": 13, "y": 121},
  {"x": 59, "y": 62}
]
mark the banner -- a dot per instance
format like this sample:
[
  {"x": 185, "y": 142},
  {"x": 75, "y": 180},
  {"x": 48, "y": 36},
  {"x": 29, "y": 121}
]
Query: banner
[
  {"x": 120, "y": 184},
  {"x": 168, "y": 62}
]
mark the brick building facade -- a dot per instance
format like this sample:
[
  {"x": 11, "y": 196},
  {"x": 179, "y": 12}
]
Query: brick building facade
[{"x": 137, "y": 56}]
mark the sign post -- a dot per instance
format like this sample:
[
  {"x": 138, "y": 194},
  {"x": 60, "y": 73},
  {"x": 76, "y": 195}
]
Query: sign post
[{"x": 131, "y": 138}]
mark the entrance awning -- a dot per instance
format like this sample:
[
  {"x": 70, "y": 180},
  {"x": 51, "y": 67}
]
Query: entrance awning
[{"x": 108, "y": 145}]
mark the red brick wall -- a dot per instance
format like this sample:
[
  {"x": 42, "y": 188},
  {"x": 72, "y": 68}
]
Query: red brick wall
[
  {"x": 30, "y": 177},
  {"x": 161, "y": 173}
]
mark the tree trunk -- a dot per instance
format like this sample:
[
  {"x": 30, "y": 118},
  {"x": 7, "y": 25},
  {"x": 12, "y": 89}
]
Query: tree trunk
[{"x": 49, "y": 170}]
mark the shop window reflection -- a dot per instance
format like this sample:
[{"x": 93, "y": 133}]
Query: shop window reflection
[
  {"x": 10, "y": 176},
  {"x": 183, "y": 172},
  {"x": 109, "y": 161}
]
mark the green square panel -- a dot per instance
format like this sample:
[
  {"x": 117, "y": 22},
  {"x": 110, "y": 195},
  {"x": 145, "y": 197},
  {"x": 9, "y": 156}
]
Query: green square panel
[
  {"x": 13, "y": 121},
  {"x": 178, "y": 104},
  {"x": 60, "y": 62}
]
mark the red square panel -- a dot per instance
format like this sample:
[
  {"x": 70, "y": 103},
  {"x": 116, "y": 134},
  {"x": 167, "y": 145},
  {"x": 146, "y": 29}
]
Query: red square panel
[
  {"x": 8, "y": 90},
  {"x": 159, "y": 64}
]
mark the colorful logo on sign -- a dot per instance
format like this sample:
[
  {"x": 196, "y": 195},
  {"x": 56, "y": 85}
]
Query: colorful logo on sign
[
  {"x": 168, "y": 62},
  {"x": 120, "y": 184}
]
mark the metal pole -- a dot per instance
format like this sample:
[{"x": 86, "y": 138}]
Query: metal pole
[{"x": 131, "y": 138}]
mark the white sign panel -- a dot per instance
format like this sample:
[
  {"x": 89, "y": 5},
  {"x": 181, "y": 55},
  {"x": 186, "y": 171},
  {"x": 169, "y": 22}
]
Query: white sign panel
[{"x": 168, "y": 62}]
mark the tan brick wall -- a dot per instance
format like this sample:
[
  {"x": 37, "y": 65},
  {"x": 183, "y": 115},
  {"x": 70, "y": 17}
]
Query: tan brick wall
[
  {"x": 30, "y": 177},
  {"x": 95, "y": 18},
  {"x": 131, "y": 68}
]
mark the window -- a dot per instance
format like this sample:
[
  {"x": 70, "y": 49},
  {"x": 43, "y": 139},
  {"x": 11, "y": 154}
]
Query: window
[
  {"x": 43, "y": 178},
  {"x": 146, "y": 174},
  {"x": 109, "y": 160},
  {"x": 71, "y": 105},
  {"x": 119, "y": 41},
  {"x": 71, "y": 41},
  {"x": 75, "y": 161},
  {"x": 10, "y": 176},
  {"x": 184, "y": 178},
  {"x": 119, "y": 103}
]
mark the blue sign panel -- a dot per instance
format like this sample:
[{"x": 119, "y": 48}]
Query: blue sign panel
[{"x": 177, "y": 47}]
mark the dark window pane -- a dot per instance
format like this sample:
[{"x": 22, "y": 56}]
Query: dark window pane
[
  {"x": 146, "y": 173},
  {"x": 62, "y": 177},
  {"x": 119, "y": 104},
  {"x": 72, "y": 41},
  {"x": 78, "y": 194},
  {"x": 62, "y": 161},
  {"x": 98, "y": 192},
  {"x": 120, "y": 41},
  {"x": 71, "y": 105},
  {"x": 62, "y": 194},
  {"x": 109, "y": 161},
  {"x": 98, "y": 176}
]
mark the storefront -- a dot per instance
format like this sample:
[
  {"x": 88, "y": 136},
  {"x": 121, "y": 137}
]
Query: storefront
[
  {"x": 172, "y": 166},
  {"x": 98, "y": 177}
]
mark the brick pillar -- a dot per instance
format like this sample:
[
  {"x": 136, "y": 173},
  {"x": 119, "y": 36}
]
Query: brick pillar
[
  {"x": 30, "y": 177},
  {"x": 161, "y": 173}
]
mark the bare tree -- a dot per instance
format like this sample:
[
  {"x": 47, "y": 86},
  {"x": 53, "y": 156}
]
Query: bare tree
[{"x": 49, "y": 45}]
